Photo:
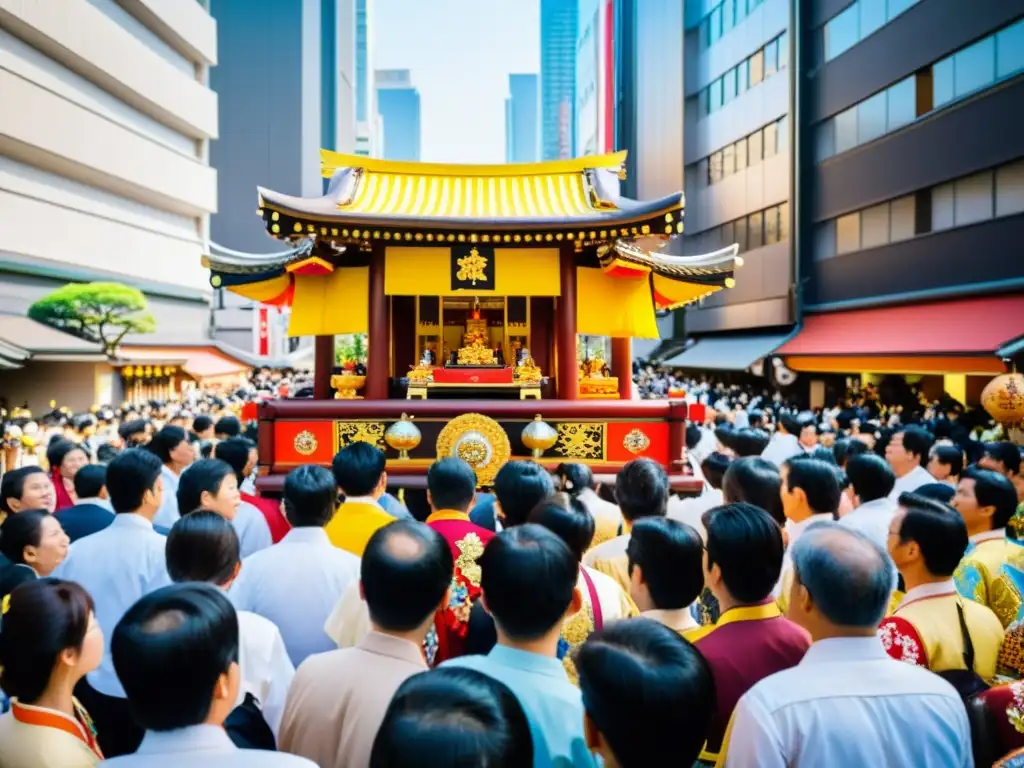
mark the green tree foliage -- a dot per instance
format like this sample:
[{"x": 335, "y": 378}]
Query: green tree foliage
[
  {"x": 350, "y": 348},
  {"x": 103, "y": 313}
]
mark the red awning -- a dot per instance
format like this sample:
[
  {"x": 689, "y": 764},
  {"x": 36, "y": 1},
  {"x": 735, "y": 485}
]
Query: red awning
[{"x": 977, "y": 326}]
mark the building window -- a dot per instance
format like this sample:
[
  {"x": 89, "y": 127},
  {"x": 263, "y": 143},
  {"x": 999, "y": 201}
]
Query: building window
[
  {"x": 741, "y": 154},
  {"x": 871, "y": 118},
  {"x": 902, "y": 217},
  {"x": 856, "y": 22},
  {"x": 846, "y": 130},
  {"x": 1010, "y": 189},
  {"x": 755, "y": 152},
  {"x": 771, "y": 58},
  {"x": 842, "y": 32},
  {"x": 848, "y": 233},
  {"x": 900, "y": 104},
  {"x": 728, "y": 15},
  {"x": 755, "y": 230},
  {"x": 727, "y": 234},
  {"x": 715, "y": 168},
  {"x": 783, "y": 50},
  {"x": 729, "y": 86},
  {"x": 975, "y": 67},
  {"x": 743, "y": 78},
  {"x": 942, "y": 207},
  {"x": 728, "y": 160},
  {"x": 782, "y": 134},
  {"x": 874, "y": 226},
  {"x": 825, "y": 140},
  {"x": 1010, "y": 50},
  {"x": 784, "y": 221},
  {"x": 740, "y": 233},
  {"x": 771, "y": 140},
  {"x": 872, "y": 16},
  {"x": 715, "y": 26},
  {"x": 973, "y": 199},
  {"x": 756, "y": 63},
  {"x": 942, "y": 83},
  {"x": 825, "y": 241},
  {"x": 772, "y": 232}
]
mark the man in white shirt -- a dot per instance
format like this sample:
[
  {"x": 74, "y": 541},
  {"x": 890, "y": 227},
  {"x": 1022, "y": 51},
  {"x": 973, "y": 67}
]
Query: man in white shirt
[
  {"x": 785, "y": 443},
  {"x": 177, "y": 651},
  {"x": 907, "y": 453},
  {"x": 872, "y": 480},
  {"x": 117, "y": 566},
  {"x": 847, "y": 701},
  {"x": 297, "y": 582}
]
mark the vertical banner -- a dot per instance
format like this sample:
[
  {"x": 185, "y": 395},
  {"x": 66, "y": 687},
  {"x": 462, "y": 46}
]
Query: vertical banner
[{"x": 263, "y": 325}]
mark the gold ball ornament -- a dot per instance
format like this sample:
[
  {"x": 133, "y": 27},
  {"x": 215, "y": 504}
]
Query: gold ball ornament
[
  {"x": 403, "y": 436},
  {"x": 1003, "y": 398},
  {"x": 539, "y": 436}
]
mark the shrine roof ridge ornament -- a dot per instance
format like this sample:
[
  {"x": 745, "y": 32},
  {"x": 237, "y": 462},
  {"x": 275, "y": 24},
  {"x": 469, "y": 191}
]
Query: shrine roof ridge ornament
[{"x": 516, "y": 204}]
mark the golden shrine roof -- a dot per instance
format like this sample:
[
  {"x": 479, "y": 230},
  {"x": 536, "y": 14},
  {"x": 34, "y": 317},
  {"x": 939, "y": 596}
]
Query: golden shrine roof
[{"x": 550, "y": 196}]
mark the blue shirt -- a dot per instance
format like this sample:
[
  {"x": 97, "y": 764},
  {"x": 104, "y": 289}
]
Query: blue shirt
[{"x": 552, "y": 704}]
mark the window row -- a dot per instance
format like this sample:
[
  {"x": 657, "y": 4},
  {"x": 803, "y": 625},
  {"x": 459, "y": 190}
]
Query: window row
[
  {"x": 750, "y": 150},
  {"x": 773, "y": 58},
  {"x": 958, "y": 203},
  {"x": 856, "y": 22},
  {"x": 723, "y": 17},
  {"x": 978, "y": 66},
  {"x": 751, "y": 231}
]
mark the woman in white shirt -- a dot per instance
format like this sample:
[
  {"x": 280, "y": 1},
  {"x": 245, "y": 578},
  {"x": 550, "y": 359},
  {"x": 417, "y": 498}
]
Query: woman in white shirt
[
  {"x": 203, "y": 546},
  {"x": 212, "y": 484},
  {"x": 175, "y": 452}
]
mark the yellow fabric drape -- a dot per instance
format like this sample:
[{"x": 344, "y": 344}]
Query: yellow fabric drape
[
  {"x": 677, "y": 293},
  {"x": 265, "y": 290},
  {"x": 411, "y": 271},
  {"x": 610, "y": 306},
  {"x": 325, "y": 305}
]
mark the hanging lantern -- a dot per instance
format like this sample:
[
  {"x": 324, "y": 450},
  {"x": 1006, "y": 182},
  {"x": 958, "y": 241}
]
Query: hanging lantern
[
  {"x": 1003, "y": 398},
  {"x": 127, "y": 371},
  {"x": 539, "y": 436}
]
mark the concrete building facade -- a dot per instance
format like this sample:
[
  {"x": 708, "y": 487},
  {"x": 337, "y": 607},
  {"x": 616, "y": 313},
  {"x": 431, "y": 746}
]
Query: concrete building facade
[
  {"x": 522, "y": 119},
  {"x": 106, "y": 119}
]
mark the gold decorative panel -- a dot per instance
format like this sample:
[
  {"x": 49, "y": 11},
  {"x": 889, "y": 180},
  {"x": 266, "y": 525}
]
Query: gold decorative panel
[
  {"x": 371, "y": 432},
  {"x": 580, "y": 440}
]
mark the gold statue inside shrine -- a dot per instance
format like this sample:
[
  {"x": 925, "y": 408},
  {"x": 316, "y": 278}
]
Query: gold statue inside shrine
[{"x": 475, "y": 351}]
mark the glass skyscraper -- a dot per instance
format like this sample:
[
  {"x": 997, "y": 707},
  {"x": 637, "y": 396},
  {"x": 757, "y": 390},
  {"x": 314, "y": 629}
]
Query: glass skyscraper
[
  {"x": 559, "y": 22},
  {"x": 398, "y": 102},
  {"x": 522, "y": 121}
]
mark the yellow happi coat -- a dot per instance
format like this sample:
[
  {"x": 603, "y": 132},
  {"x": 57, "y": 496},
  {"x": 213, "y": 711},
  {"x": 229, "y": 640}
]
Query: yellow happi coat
[{"x": 978, "y": 573}]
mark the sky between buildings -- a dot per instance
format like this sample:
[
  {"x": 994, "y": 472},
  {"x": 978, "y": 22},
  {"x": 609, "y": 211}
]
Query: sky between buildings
[{"x": 461, "y": 53}]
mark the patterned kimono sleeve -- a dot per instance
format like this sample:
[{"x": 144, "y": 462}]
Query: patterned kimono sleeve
[
  {"x": 971, "y": 578},
  {"x": 901, "y": 640}
]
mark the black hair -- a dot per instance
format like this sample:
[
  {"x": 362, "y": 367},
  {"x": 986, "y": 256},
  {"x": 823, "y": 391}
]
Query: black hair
[
  {"x": 641, "y": 489},
  {"x": 19, "y": 531},
  {"x": 746, "y": 441},
  {"x": 818, "y": 480},
  {"x": 131, "y": 428},
  {"x": 939, "y": 531},
  {"x": 228, "y": 425},
  {"x": 58, "y": 449},
  {"x": 788, "y": 421},
  {"x": 917, "y": 441},
  {"x": 529, "y": 576},
  {"x": 405, "y": 571},
  {"x": 575, "y": 477},
  {"x": 90, "y": 480},
  {"x": 821, "y": 453},
  {"x": 693, "y": 436},
  {"x": 669, "y": 554},
  {"x": 756, "y": 481},
  {"x": 871, "y": 477},
  {"x": 105, "y": 454},
  {"x": 1007, "y": 453},
  {"x": 452, "y": 484},
  {"x": 568, "y": 518},
  {"x": 235, "y": 452},
  {"x": 310, "y": 497},
  {"x": 358, "y": 468},
  {"x": 846, "y": 448},
  {"x": 12, "y": 485},
  {"x": 129, "y": 476},
  {"x": 937, "y": 492},
  {"x": 453, "y": 718},
  {"x": 201, "y": 423},
  {"x": 746, "y": 544},
  {"x": 951, "y": 456},
  {"x": 520, "y": 486},
  {"x": 202, "y": 546},
  {"x": 714, "y": 468},
  {"x": 992, "y": 489},
  {"x": 166, "y": 440},
  {"x": 169, "y": 651},
  {"x": 204, "y": 475},
  {"x": 647, "y": 690},
  {"x": 44, "y": 618}
]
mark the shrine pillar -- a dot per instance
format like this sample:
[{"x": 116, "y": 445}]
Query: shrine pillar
[
  {"x": 323, "y": 364},
  {"x": 378, "y": 357},
  {"x": 622, "y": 366},
  {"x": 567, "y": 374}
]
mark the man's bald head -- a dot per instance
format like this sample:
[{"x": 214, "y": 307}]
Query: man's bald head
[
  {"x": 405, "y": 571},
  {"x": 848, "y": 576}
]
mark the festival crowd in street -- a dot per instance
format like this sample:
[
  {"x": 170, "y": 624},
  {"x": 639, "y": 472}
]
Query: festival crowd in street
[{"x": 846, "y": 590}]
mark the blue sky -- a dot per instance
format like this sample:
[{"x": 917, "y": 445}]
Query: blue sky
[{"x": 461, "y": 53}]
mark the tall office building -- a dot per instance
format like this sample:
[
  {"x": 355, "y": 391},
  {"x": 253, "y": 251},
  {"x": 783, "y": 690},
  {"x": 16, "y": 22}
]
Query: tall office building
[
  {"x": 859, "y": 155},
  {"x": 369, "y": 138},
  {"x": 271, "y": 135},
  {"x": 559, "y": 22},
  {"x": 522, "y": 120},
  {"x": 399, "y": 104},
  {"x": 105, "y": 123}
]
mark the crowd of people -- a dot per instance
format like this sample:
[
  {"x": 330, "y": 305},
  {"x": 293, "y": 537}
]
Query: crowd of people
[{"x": 855, "y": 601}]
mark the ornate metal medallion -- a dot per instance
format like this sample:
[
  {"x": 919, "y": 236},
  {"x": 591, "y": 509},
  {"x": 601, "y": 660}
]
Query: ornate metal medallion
[
  {"x": 636, "y": 442},
  {"x": 305, "y": 443},
  {"x": 479, "y": 441}
]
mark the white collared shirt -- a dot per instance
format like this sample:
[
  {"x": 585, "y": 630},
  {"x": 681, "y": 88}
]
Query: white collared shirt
[
  {"x": 680, "y": 619},
  {"x": 598, "y": 507},
  {"x": 252, "y": 529},
  {"x": 848, "y": 703},
  {"x": 296, "y": 583},
  {"x": 168, "y": 513},
  {"x": 116, "y": 566},
  {"x": 691, "y": 510},
  {"x": 201, "y": 746},
  {"x": 265, "y": 667},
  {"x": 872, "y": 518},
  {"x": 363, "y": 500},
  {"x": 921, "y": 591},
  {"x": 910, "y": 482},
  {"x": 781, "y": 448}
]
